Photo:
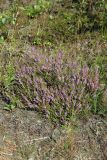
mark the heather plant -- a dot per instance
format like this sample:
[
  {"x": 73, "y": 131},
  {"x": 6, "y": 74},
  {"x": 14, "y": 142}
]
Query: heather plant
[{"x": 56, "y": 85}]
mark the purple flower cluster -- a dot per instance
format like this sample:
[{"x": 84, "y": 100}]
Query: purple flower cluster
[{"x": 57, "y": 85}]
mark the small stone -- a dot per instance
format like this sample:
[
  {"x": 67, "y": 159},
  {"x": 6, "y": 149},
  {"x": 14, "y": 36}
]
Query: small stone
[
  {"x": 2, "y": 119},
  {"x": 1, "y": 141},
  {"x": 32, "y": 156},
  {"x": 56, "y": 134}
]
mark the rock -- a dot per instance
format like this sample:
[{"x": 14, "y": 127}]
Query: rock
[
  {"x": 2, "y": 118},
  {"x": 56, "y": 134},
  {"x": 1, "y": 141},
  {"x": 32, "y": 156}
]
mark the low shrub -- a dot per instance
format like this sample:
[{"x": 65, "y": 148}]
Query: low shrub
[{"x": 58, "y": 86}]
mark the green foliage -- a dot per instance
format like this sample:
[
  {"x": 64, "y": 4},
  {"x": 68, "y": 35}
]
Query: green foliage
[
  {"x": 9, "y": 76},
  {"x": 97, "y": 103},
  {"x": 9, "y": 107},
  {"x": 13, "y": 102},
  {"x": 1, "y": 39},
  {"x": 7, "y": 79},
  {"x": 101, "y": 61},
  {"x": 37, "y": 41},
  {"x": 71, "y": 18},
  {"x": 6, "y": 18},
  {"x": 63, "y": 18},
  {"x": 37, "y": 9}
]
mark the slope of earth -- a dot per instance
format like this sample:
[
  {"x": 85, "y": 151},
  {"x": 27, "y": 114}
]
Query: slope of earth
[{"x": 24, "y": 135}]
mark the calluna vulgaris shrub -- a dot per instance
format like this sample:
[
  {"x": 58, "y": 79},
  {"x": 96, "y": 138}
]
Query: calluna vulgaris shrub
[{"x": 55, "y": 84}]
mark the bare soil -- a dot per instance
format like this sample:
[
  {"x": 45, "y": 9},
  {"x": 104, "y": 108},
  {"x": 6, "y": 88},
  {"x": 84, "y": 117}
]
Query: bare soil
[{"x": 25, "y": 135}]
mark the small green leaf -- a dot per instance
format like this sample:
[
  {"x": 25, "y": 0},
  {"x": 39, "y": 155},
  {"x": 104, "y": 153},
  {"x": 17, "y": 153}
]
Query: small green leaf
[
  {"x": 1, "y": 39},
  {"x": 3, "y": 20},
  {"x": 106, "y": 6},
  {"x": 9, "y": 107}
]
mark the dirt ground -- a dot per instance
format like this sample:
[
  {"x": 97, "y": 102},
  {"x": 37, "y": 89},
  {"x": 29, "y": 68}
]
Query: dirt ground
[{"x": 25, "y": 135}]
